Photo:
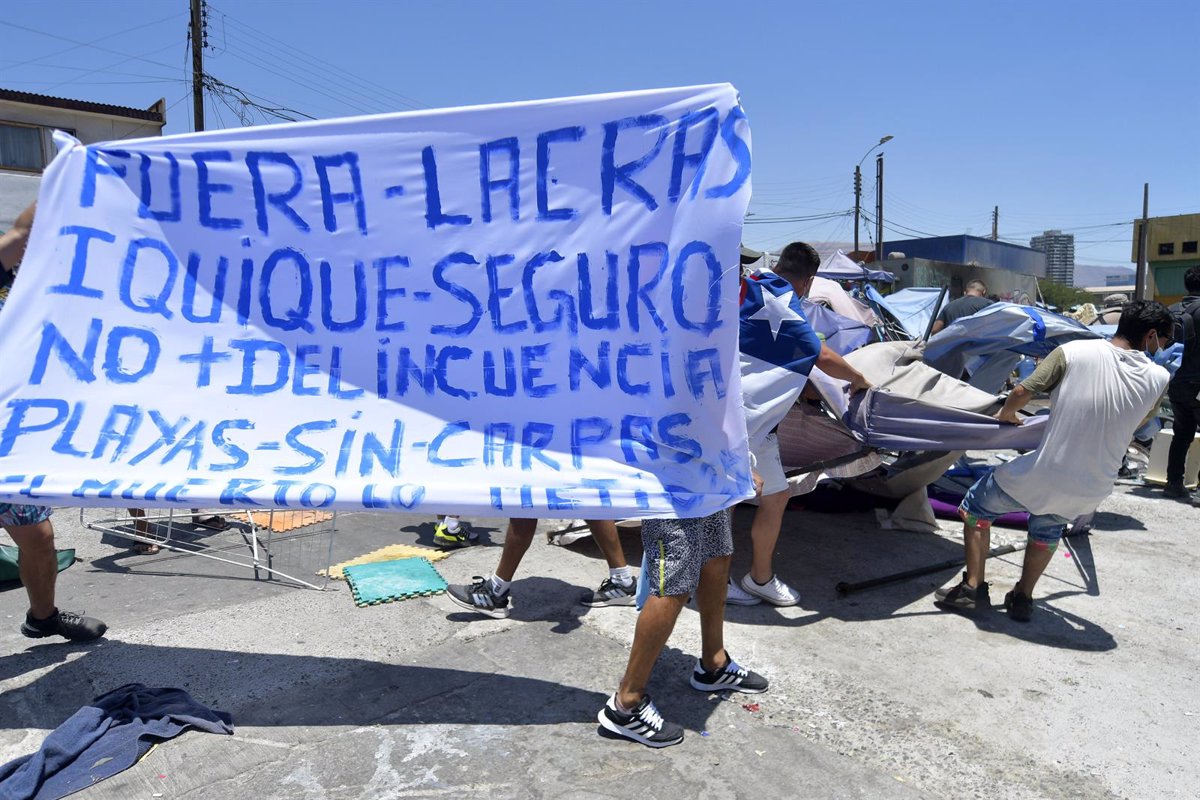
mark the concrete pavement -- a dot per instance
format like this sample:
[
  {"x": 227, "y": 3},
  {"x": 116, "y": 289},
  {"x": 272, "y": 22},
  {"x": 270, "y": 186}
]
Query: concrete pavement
[{"x": 877, "y": 694}]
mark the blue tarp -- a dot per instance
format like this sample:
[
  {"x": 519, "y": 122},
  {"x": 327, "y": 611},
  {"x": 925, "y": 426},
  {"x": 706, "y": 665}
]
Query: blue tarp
[
  {"x": 842, "y": 334},
  {"x": 913, "y": 308},
  {"x": 1001, "y": 328}
]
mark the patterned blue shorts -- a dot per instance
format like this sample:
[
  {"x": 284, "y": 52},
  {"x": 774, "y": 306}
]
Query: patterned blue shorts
[
  {"x": 677, "y": 549},
  {"x": 985, "y": 501},
  {"x": 12, "y": 516}
]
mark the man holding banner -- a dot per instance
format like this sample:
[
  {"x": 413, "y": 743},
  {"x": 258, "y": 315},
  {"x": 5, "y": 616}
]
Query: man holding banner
[
  {"x": 521, "y": 310},
  {"x": 29, "y": 525}
]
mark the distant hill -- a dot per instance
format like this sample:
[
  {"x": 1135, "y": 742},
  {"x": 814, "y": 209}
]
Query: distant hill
[{"x": 1091, "y": 275}]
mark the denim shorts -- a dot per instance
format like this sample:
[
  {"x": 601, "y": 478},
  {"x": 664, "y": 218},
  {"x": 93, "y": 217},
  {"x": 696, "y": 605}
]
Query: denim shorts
[
  {"x": 985, "y": 501},
  {"x": 14, "y": 516}
]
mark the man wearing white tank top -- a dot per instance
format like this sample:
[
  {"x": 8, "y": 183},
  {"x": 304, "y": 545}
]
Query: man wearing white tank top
[{"x": 1100, "y": 393}]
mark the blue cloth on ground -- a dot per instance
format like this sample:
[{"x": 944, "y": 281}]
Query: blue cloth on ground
[{"x": 105, "y": 738}]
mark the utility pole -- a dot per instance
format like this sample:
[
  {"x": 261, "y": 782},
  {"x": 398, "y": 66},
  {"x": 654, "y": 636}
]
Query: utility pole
[
  {"x": 858, "y": 183},
  {"x": 196, "y": 34},
  {"x": 1139, "y": 291},
  {"x": 857, "y": 201},
  {"x": 879, "y": 208},
  {"x": 995, "y": 223}
]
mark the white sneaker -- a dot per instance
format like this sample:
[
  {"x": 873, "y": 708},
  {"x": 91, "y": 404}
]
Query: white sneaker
[
  {"x": 776, "y": 592},
  {"x": 734, "y": 596}
]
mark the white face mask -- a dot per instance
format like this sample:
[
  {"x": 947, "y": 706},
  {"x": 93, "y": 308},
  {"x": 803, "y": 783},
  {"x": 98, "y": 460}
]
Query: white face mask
[{"x": 1157, "y": 345}]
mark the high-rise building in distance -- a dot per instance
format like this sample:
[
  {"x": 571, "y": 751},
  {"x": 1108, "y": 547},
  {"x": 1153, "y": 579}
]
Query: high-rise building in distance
[{"x": 1059, "y": 248}]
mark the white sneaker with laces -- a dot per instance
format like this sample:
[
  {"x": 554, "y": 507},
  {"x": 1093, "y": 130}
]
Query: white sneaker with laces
[
  {"x": 735, "y": 596},
  {"x": 775, "y": 592}
]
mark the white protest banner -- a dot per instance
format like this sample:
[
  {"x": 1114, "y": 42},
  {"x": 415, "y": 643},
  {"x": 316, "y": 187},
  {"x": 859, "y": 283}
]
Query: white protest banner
[{"x": 526, "y": 309}]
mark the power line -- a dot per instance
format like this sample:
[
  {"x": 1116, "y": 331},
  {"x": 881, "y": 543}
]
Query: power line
[
  {"x": 110, "y": 66},
  {"x": 84, "y": 44},
  {"x": 81, "y": 69},
  {"x": 264, "y": 37},
  {"x": 756, "y": 220},
  {"x": 93, "y": 42},
  {"x": 309, "y": 76},
  {"x": 343, "y": 100}
]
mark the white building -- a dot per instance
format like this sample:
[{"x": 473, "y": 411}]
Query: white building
[
  {"x": 1059, "y": 248},
  {"x": 26, "y": 147}
]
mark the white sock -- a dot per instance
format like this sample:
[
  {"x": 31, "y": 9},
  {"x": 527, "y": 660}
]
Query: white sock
[
  {"x": 451, "y": 524},
  {"x": 622, "y": 575},
  {"x": 499, "y": 586}
]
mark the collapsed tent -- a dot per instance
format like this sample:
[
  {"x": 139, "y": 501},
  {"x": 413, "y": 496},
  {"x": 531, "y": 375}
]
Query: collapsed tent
[
  {"x": 913, "y": 408},
  {"x": 988, "y": 344},
  {"x": 916, "y": 407},
  {"x": 840, "y": 267},
  {"x": 829, "y": 294},
  {"x": 913, "y": 308},
  {"x": 842, "y": 334}
]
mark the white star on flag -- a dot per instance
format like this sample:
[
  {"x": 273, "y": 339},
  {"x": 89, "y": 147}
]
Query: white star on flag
[{"x": 776, "y": 309}]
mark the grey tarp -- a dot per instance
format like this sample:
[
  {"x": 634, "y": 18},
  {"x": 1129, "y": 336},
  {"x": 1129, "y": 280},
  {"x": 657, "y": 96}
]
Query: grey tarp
[
  {"x": 812, "y": 444},
  {"x": 914, "y": 407},
  {"x": 1000, "y": 331},
  {"x": 842, "y": 334}
]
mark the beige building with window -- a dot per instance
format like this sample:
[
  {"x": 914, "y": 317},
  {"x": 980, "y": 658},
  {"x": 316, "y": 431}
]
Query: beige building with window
[
  {"x": 26, "y": 146},
  {"x": 1173, "y": 248}
]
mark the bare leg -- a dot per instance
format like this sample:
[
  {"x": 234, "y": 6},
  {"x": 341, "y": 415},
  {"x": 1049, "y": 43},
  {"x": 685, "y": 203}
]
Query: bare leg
[
  {"x": 604, "y": 531},
  {"x": 764, "y": 533},
  {"x": 143, "y": 529},
  {"x": 516, "y": 541},
  {"x": 38, "y": 565},
  {"x": 1037, "y": 558},
  {"x": 977, "y": 543},
  {"x": 710, "y": 601},
  {"x": 654, "y": 626}
]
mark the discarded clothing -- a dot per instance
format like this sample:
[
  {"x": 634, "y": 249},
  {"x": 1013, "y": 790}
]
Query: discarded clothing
[{"x": 106, "y": 738}]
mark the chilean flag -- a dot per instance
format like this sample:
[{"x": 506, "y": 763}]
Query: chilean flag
[{"x": 778, "y": 349}]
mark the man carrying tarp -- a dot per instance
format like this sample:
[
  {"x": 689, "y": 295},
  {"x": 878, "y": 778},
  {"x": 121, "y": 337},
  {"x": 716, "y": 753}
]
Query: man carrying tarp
[
  {"x": 29, "y": 525},
  {"x": 974, "y": 299},
  {"x": 1184, "y": 391},
  {"x": 1101, "y": 392}
]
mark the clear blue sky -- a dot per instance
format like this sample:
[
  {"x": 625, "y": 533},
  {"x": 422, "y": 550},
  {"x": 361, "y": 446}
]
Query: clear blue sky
[{"x": 1055, "y": 111}]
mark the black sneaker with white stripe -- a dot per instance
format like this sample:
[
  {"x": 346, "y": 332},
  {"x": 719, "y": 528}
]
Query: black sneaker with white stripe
[
  {"x": 644, "y": 725},
  {"x": 729, "y": 678},
  {"x": 612, "y": 593},
  {"x": 480, "y": 596}
]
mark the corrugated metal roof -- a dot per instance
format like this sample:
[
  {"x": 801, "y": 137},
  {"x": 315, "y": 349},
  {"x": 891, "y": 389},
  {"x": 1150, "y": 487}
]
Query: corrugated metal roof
[{"x": 29, "y": 98}]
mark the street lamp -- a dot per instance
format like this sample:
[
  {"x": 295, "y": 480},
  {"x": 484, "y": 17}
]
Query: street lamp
[{"x": 858, "y": 184}]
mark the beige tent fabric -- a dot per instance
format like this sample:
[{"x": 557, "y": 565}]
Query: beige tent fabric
[
  {"x": 897, "y": 367},
  {"x": 906, "y": 476},
  {"x": 913, "y": 514},
  {"x": 831, "y": 294}
]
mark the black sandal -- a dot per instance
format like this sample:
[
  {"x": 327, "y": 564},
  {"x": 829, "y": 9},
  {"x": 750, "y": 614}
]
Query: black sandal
[{"x": 216, "y": 522}]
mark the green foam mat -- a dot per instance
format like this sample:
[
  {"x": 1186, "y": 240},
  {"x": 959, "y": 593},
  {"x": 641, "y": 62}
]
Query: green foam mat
[{"x": 386, "y": 581}]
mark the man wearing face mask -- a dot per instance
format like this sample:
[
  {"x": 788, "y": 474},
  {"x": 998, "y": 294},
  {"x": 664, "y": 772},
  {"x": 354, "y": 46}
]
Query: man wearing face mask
[{"x": 1100, "y": 393}]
